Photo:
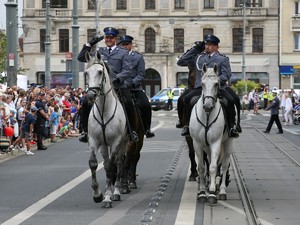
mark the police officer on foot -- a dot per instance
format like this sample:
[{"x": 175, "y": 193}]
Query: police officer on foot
[
  {"x": 134, "y": 83},
  {"x": 120, "y": 71},
  {"x": 210, "y": 57},
  {"x": 41, "y": 118}
]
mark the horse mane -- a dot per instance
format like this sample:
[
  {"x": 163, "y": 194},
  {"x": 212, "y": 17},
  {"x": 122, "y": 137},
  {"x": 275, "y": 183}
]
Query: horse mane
[{"x": 209, "y": 72}]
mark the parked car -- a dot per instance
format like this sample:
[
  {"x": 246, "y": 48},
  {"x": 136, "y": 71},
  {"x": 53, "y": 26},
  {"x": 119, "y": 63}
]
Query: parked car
[{"x": 160, "y": 99}]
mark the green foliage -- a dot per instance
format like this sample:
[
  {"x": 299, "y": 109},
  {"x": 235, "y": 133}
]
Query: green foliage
[
  {"x": 240, "y": 86},
  {"x": 2, "y": 51}
]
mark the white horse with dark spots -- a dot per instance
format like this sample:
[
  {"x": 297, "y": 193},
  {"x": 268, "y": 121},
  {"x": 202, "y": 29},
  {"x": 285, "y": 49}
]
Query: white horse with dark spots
[
  {"x": 107, "y": 132},
  {"x": 209, "y": 134}
]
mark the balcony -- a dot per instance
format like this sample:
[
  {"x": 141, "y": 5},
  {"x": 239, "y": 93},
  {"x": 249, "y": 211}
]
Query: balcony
[
  {"x": 54, "y": 12},
  {"x": 295, "y": 22},
  {"x": 252, "y": 13}
]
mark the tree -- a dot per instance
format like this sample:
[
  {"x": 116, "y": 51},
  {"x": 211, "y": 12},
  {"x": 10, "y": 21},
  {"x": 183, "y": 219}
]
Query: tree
[
  {"x": 2, "y": 51},
  {"x": 240, "y": 86}
]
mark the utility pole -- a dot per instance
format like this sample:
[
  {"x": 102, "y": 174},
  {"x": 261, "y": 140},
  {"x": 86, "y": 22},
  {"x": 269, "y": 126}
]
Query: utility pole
[
  {"x": 244, "y": 42},
  {"x": 12, "y": 41},
  {"x": 47, "y": 46},
  {"x": 75, "y": 43}
]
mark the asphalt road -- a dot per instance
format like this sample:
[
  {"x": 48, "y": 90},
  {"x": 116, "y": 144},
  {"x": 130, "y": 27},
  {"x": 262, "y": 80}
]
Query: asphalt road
[{"x": 54, "y": 186}]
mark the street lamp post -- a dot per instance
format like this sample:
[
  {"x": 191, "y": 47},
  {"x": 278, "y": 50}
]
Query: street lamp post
[
  {"x": 244, "y": 41},
  {"x": 47, "y": 46}
]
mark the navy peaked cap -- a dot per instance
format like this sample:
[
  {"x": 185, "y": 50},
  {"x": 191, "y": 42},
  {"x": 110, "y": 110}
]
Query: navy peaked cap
[
  {"x": 125, "y": 39},
  {"x": 110, "y": 31},
  {"x": 210, "y": 38}
]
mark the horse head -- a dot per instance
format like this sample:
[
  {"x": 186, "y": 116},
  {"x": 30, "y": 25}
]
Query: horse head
[
  {"x": 210, "y": 87},
  {"x": 96, "y": 75}
]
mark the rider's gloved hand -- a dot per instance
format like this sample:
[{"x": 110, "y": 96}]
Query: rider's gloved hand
[
  {"x": 95, "y": 40},
  {"x": 116, "y": 82},
  {"x": 200, "y": 45},
  {"x": 128, "y": 83},
  {"x": 223, "y": 83}
]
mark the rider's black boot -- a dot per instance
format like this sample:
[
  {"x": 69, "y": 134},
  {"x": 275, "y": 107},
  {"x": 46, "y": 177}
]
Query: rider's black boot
[
  {"x": 83, "y": 137},
  {"x": 239, "y": 128},
  {"x": 233, "y": 133},
  {"x": 185, "y": 131},
  {"x": 149, "y": 134},
  {"x": 179, "y": 124}
]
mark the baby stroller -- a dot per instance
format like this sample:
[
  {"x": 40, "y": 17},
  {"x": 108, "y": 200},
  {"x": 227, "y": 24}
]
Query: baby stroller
[{"x": 296, "y": 114}]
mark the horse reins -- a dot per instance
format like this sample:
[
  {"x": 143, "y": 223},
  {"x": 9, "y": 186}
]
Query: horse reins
[
  {"x": 207, "y": 126},
  {"x": 101, "y": 123}
]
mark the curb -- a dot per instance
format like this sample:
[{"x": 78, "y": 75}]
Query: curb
[{"x": 4, "y": 156}]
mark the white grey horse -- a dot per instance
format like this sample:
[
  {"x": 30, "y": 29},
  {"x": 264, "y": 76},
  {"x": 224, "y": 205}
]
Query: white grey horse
[
  {"x": 209, "y": 133},
  {"x": 106, "y": 130}
]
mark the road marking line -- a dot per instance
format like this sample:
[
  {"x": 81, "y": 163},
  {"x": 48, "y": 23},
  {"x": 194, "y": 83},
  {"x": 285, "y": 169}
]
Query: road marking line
[
  {"x": 31, "y": 210},
  {"x": 187, "y": 209}
]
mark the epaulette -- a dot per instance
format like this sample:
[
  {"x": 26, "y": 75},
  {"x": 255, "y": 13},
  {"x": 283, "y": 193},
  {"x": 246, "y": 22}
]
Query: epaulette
[
  {"x": 223, "y": 55},
  {"x": 136, "y": 52}
]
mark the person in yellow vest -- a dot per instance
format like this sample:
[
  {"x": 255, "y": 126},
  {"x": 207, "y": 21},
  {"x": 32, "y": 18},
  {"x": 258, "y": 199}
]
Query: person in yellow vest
[
  {"x": 266, "y": 96},
  {"x": 170, "y": 99}
]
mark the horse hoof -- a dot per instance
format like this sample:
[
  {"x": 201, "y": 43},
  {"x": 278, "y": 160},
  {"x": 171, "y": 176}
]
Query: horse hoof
[
  {"x": 106, "y": 205},
  {"x": 116, "y": 198},
  {"x": 125, "y": 190},
  {"x": 212, "y": 199},
  {"x": 132, "y": 185},
  {"x": 98, "y": 199},
  {"x": 202, "y": 197},
  {"x": 222, "y": 197}
]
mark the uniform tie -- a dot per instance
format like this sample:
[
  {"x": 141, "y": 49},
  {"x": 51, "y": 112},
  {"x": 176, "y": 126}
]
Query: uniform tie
[{"x": 109, "y": 50}]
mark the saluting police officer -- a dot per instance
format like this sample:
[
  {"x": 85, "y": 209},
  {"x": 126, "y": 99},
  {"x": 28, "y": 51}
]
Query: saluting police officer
[
  {"x": 211, "y": 56},
  {"x": 134, "y": 83},
  {"x": 120, "y": 70}
]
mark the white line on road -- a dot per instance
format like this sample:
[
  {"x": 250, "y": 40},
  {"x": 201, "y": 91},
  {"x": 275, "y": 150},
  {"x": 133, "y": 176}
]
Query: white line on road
[
  {"x": 186, "y": 211},
  {"x": 31, "y": 210}
]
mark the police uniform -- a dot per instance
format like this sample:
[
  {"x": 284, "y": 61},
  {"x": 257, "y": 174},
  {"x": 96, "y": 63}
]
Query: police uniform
[
  {"x": 134, "y": 84},
  {"x": 274, "y": 107},
  {"x": 39, "y": 127},
  {"x": 120, "y": 71},
  {"x": 222, "y": 61}
]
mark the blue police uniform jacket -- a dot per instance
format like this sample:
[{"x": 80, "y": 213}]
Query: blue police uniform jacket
[
  {"x": 274, "y": 106},
  {"x": 138, "y": 70},
  {"x": 118, "y": 61},
  {"x": 193, "y": 58}
]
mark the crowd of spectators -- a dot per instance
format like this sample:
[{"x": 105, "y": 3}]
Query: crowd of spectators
[{"x": 61, "y": 105}]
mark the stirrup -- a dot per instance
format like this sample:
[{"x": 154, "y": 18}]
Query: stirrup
[{"x": 134, "y": 137}]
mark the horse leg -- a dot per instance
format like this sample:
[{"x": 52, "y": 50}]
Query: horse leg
[
  {"x": 201, "y": 195},
  {"x": 107, "y": 202},
  {"x": 215, "y": 152},
  {"x": 225, "y": 167},
  {"x": 194, "y": 173},
  {"x": 132, "y": 170},
  {"x": 93, "y": 163}
]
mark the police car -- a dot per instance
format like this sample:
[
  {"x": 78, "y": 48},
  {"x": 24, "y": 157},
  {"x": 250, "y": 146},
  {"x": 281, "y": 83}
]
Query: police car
[{"x": 160, "y": 99}]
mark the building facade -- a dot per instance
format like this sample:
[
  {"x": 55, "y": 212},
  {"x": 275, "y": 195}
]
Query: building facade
[
  {"x": 162, "y": 30},
  {"x": 289, "y": 36}
]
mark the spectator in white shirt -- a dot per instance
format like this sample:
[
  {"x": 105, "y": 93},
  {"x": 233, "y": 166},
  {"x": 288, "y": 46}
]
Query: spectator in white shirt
[{"x": 288, "y": 110}]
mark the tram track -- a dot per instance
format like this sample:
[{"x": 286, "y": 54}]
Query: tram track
[{"x": 248, "y": 205}]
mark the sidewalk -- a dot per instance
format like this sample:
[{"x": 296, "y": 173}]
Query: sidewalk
[{"x": 9, "y": 155}]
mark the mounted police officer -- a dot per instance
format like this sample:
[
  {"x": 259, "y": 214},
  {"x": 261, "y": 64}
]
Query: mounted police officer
[
  {"x": 134, "y": 83},
  {"x": 120, "y": 71},
  {"x": 211, "y": 56}
]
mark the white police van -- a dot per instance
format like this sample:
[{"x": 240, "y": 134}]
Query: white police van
[{"x": 160, "y": 99}]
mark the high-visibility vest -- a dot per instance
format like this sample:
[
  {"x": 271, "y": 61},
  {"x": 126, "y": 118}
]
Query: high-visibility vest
[
  {"x": 170, "y": 95},
  {"x": 271, "y": 97},
  {"x": 266, "y": 94}
]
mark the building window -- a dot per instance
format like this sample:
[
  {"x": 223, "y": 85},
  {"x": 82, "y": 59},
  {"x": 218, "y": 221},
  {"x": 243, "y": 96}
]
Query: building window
[
  {"x": 63, "y": 40},
  {"x": 149, "y": 40},
  {"x": 249, "y": 3},
  {"x": 179, "y": 4},
  {"x": 122, "y": 4},
  {"x": 257, "y": 40},
  {"x": 237, "y": 40},
  {"x": 209, "y": 4},
  {"x": 178, "y": 40},
  {"x": 207, "y": 31},
  {"x": 297, "y": 8},
  {"x": 92, "y": 4},
  {"x": 56, "y": 3},
  {"x": 122, "y": 32},
  {"x": 150, "y": 4},
  {"x": 42, "y": 39},
  {"x": 297, "y": 41},
  {"x": 90, "y": 34}
]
